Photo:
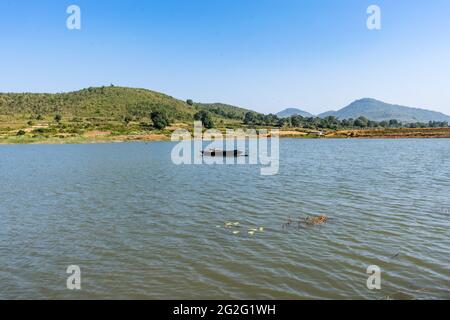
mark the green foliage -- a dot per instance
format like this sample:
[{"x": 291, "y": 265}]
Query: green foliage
[
  {"x": 101, "y": 102},
  {"x": 222, "y": 110},
  {"x": 159, "y": 119},
  {"x": 296, "y": 120},
  {"x": 20, "y": 133},
  {"x": 250, "y": 118},
  {"x": 127, "y": 120},
  {"x": 58, "y": 117},
  {"x": 361, "y": 122},
  {"x": 205, "y": 118},
  {"x": 331, "y": 122},
  {"x": 190, "y": 102},
  {"x": 110, "y": 104},
  {"x": 44, "y": 130}
]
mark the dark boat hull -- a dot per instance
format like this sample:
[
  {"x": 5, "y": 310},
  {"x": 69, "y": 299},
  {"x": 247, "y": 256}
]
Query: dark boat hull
[{"x": 221, "y": 153}]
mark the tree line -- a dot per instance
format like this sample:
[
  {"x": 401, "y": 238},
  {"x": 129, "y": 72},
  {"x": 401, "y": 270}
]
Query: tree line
[
  {"x": 331, "y": 122},
  {"x": 161, "y": 120}
]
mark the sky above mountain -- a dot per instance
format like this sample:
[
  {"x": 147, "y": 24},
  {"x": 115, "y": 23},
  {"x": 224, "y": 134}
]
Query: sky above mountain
[{"x": 259, "y": 54}]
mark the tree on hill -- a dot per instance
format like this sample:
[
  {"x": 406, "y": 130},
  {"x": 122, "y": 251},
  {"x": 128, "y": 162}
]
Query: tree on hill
[
  {"x": 58, "y": 118},
  {"x": 127, "y": 120},
  {"x": 249, "y": 118},
  {"x": 190, "y": 102},
  {"x": 205, "y": 118},
  {"x": 159, "y": 119}
]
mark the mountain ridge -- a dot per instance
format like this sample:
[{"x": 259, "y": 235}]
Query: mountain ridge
[
  {"x": 118, "y": 102},
  {"x": 377, "y": 110}
]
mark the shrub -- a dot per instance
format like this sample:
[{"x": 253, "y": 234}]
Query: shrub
[
  {"x": 159, "y": 119},
  {"x": 205, "y": 118},
  {"x": 127, "y": 120},
  {"x": 58, "y": 118}
]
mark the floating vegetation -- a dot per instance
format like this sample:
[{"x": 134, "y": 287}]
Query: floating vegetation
[
  {"x": 230, "y": 224},
  {"x": 235, "y": 224},
  {"x": 308, "y": 220},
  {"x": 252, "y": 231},
  {"x": 316, "y": 220}
]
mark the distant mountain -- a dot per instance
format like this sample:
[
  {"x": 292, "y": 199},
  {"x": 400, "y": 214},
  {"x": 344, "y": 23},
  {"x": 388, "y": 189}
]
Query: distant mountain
[
  {"x": 380, "y": 111},
  {"x": 293, "y": 111}
]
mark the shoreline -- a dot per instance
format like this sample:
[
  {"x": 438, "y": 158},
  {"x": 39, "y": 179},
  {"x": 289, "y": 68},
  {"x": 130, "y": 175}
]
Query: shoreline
[
  {"x": 17, "y": 140},
  {"x": 68, "y": 133}
]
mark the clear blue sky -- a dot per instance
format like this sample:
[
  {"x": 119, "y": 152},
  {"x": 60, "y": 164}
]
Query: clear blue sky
[{"x": 261, "y": 54}]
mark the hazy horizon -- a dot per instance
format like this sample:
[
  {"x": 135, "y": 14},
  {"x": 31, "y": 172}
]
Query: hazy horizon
[{"x": 262, "y": 55}]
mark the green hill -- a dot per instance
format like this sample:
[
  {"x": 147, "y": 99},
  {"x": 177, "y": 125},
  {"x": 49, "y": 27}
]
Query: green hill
[
  {"x": 106, "y": 102},
  {"x": 223, "y": 110}
]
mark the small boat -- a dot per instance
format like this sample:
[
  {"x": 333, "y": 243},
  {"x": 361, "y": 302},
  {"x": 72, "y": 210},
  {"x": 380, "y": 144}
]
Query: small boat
[{"x": 221, "y": 153}]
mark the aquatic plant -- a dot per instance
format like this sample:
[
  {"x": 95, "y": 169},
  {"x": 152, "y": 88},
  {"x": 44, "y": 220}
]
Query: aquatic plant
[{"x": 315, "y": 220}]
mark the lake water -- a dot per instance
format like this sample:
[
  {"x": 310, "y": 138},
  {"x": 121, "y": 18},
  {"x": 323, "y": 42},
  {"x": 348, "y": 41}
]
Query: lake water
[{"x": 141, "y": 227}]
